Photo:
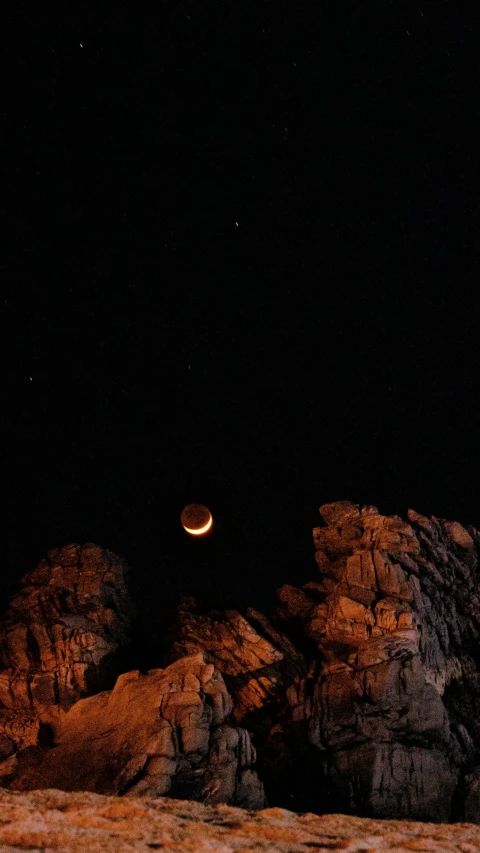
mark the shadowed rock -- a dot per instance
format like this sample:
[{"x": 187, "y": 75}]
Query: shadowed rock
[
  {"x": 379, "y": 713},
  {"x": 362, "y": 692},
  {"x": 396, "y": 627}
]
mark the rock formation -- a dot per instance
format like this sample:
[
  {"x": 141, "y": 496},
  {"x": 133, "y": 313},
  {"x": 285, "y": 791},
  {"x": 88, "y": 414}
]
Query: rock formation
[
  {"x": 380, "y": 712},
  {"x": 73, "y": 823},
  {"x": 164, "y": 732},
  {"x": 361, "y": 692},
  {"x": 59, "y": 641}
]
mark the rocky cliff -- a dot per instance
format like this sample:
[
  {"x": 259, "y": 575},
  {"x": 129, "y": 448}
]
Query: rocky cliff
[
  {"x": 364, "y": 687},
  {"x": 361, "y": 692},
  {"x": 165, "y": 731},
  {"x": 60, "y": 638}
]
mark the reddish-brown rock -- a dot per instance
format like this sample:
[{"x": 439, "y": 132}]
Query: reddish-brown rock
[
  {"x": 362, "y": 693},
  {"x": 380, "y": 712},
  {"x": 163, "y": 732},
  {"x": 254, "y": 657},
  {"x": 60, "y": 637},
  {"x": 387, "y": 702}
]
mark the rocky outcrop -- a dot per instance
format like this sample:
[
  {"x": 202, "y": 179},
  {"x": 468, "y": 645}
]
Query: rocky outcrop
[
  {"x": 72, "y": 823},
  {"x": 380, "y": 711},
  {"x": 395, "y": 622},
  {"x": 361, "y": 692},
  {"x": 163, "y": 732},
  {"x": 254, "y": 657},
  {"x": 60, "y": 639}
]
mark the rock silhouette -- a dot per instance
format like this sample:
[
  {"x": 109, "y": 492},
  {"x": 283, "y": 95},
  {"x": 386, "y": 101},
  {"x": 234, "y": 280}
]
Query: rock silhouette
[{"x": 361, "y": 692}]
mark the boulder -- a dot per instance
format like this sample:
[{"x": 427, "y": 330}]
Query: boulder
[{"x": 163, "y": 732}]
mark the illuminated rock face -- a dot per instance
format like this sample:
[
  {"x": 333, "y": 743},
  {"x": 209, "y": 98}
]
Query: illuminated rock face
[
  {"x": 394, "y": 621},
  {"x": 60, "y": 637},
  {"x": 160, "y": 733},
  {"x": 361, "y": 692},
  {"x": 374, "y": 708}
]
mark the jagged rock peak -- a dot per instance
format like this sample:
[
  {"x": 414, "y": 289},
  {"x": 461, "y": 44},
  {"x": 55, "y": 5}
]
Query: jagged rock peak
[
  {"x": 339, "y": 511},
  {"x": 364, "y": 688},
  {"x": 393, "y": 697},
  {"x": 361, "y": 692},
  {"x": 61, "y": 634}
]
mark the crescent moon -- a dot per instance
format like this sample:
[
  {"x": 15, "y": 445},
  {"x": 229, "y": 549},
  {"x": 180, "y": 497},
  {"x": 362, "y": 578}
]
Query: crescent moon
[{"x": 200, "y": 530}]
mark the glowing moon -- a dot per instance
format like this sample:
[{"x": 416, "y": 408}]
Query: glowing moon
[{"x": 196, "y": 519}]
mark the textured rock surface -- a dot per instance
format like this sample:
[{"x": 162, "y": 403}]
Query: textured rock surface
[
  {"x": 361, "y": 693},
  {"x": 59, "y": 639},
  {"x": 256, "y": 659},
  {"x": 72, "y": 823},
  {"x": 379, "y": 714},
  {"x": 164, "y": 732},
  {"x": 391, "y": 703}
]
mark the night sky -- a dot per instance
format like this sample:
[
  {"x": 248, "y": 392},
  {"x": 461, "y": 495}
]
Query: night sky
[{"x": 239, "y": 266}]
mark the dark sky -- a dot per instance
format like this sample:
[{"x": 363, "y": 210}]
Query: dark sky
[{"x": 240, "y": 266}]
